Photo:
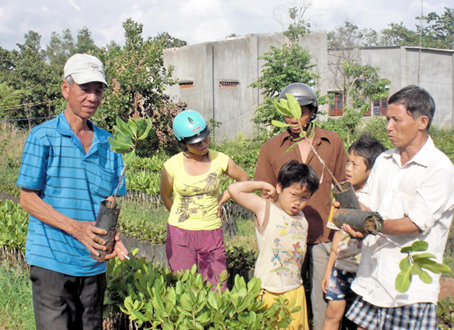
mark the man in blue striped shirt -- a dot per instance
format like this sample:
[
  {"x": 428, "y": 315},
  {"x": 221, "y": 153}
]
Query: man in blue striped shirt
[{"x": 67, "y": 170}]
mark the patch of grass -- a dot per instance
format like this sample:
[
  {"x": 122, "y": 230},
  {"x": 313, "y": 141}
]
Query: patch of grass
[
  {"x": 16, "y": 306},
  {"x": 12, "y": 142},
  {"x": 449, "y": 261},
  {"x": 139, "y": 220}
]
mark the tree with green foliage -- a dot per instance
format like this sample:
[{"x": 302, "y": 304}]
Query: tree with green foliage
[
  {"x": 167, "y": 41},
  {"x": 137, "y": 78},
  {"x": 361, "y": 85},
  {"x": 298, "y": 26},
  {"x": 293, "y": 17},
  {"x": 436, "y": 32},
  {"x": 27, "y": 70},
  {"x": 85, "y": 42},
  {"x": 439, "y": 31},
  {"x": 60, "y": 48},
  {"x": 285, "y": 65},
  {"x": 9, "y": 100},
  {"x": 432, "y": 30},
  {"x": 398, "y": 35},
  {"x": 350, "y": 36}
]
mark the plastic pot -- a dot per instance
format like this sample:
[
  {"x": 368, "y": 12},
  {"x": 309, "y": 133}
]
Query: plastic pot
[
  {"x": 107, "y": 219},
  {"x": 347, "y": 197},
  {"x": 362, "y": 221}
]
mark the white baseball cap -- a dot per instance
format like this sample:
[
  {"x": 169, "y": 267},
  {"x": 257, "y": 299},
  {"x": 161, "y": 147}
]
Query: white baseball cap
[{"x": 84, "y": 68}]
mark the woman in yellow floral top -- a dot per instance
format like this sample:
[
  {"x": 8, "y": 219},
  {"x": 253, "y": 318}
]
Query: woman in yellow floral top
[{"x": 190, "y": 184}]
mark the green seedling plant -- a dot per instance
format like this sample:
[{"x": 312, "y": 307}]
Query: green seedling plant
[
  {"x": 128, "y": 135},
  {"x": 412, "y": 264},
  {"x": 415, "y": 264},
  {"x": 125, "y": 143},
  {"x": 154, "y": 298},
  {"x": 14, "y": 224},
  {"x": 290, "y": 107}
]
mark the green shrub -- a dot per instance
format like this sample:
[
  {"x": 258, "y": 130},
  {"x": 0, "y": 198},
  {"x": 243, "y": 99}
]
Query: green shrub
[
  {"x": 154, "y": 298},
  {"x": 144, "y": 181},
  {"x": 239, "y": 258},
  {"x": 244, "y": 152},
  {"x": 444, "y": 140},
  {"x": 142, "y": 223},
  {"x": 11, "y": 146},
  {"x": 445, "y": 313},
  {"x": 14, "y": 224}
]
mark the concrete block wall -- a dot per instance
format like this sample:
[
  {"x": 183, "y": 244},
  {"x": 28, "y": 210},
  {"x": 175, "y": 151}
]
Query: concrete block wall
[{"x": 214, "y": 77}]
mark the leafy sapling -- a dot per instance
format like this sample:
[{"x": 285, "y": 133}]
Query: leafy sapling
[
  {"x": 413, "y": 264},
  {"x": 291, "y": 108},
  {"x": 125, "y": 143}
]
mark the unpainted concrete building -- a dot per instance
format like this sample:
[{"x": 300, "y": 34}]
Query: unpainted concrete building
[{"x": 214, "y": 77}]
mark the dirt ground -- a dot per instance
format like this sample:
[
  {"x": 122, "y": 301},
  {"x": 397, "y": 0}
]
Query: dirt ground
[
  {"x": 446, "y": 288},
  {"x": 12, "y": 198}
]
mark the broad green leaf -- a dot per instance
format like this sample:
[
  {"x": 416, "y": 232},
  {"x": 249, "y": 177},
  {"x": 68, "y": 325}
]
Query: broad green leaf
[
  {"x": 403, "y": 281},
  {"x": 247, "y": 301},
  {"x": 416, "y": 246},
  {"x": 254, "y": 285},
  {"x": 423, "y": 256},
  {"x": 424, "y": 276},
  {"x": 147, "y": 130},
  {"x": 129, "y": 303},
  {"x": 415, "y": 269},
  {"x": 204, "y": 317},
  {"x": 171, "y": 297},
  {"x": 282, "y": 107},
  {"x": 185, "y": 302},
  {"x": 138, "y": 315},
  {"x": 404, "y": 264},
  {"x": 433, "y": 266},
  {"x": 119, "y": 146},
  {"x": 129, "y": 157},
  {"x": 157, "y": 303},
  {"x": 184, "y": 311},
  {"x": 279, "y": 123},
  {"x": 235, "y": 299},
  {"x": 224, "y": 276},
  {"x": 124, "y": 127},
  {"x": 213, "y": 300},
  {"x": 167, "y": 326},
  {"x": 420, "y": 246},
  {"x": 294, "y": 106},
  {"x": 133, "y": 128}
]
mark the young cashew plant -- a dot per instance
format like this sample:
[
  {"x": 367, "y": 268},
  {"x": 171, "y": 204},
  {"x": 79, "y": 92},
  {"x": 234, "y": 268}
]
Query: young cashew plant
[
  {"x": 290, "y": 107},
  {"x": 125, "y": 141},
  {"x": 413, "y": 264}
]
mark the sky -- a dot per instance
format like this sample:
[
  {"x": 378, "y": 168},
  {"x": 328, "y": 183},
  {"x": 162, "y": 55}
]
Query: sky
[{"x": 197, "y": 21}]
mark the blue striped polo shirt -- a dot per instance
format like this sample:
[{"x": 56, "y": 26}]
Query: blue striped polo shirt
[{"x": 55, "y": 165}]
